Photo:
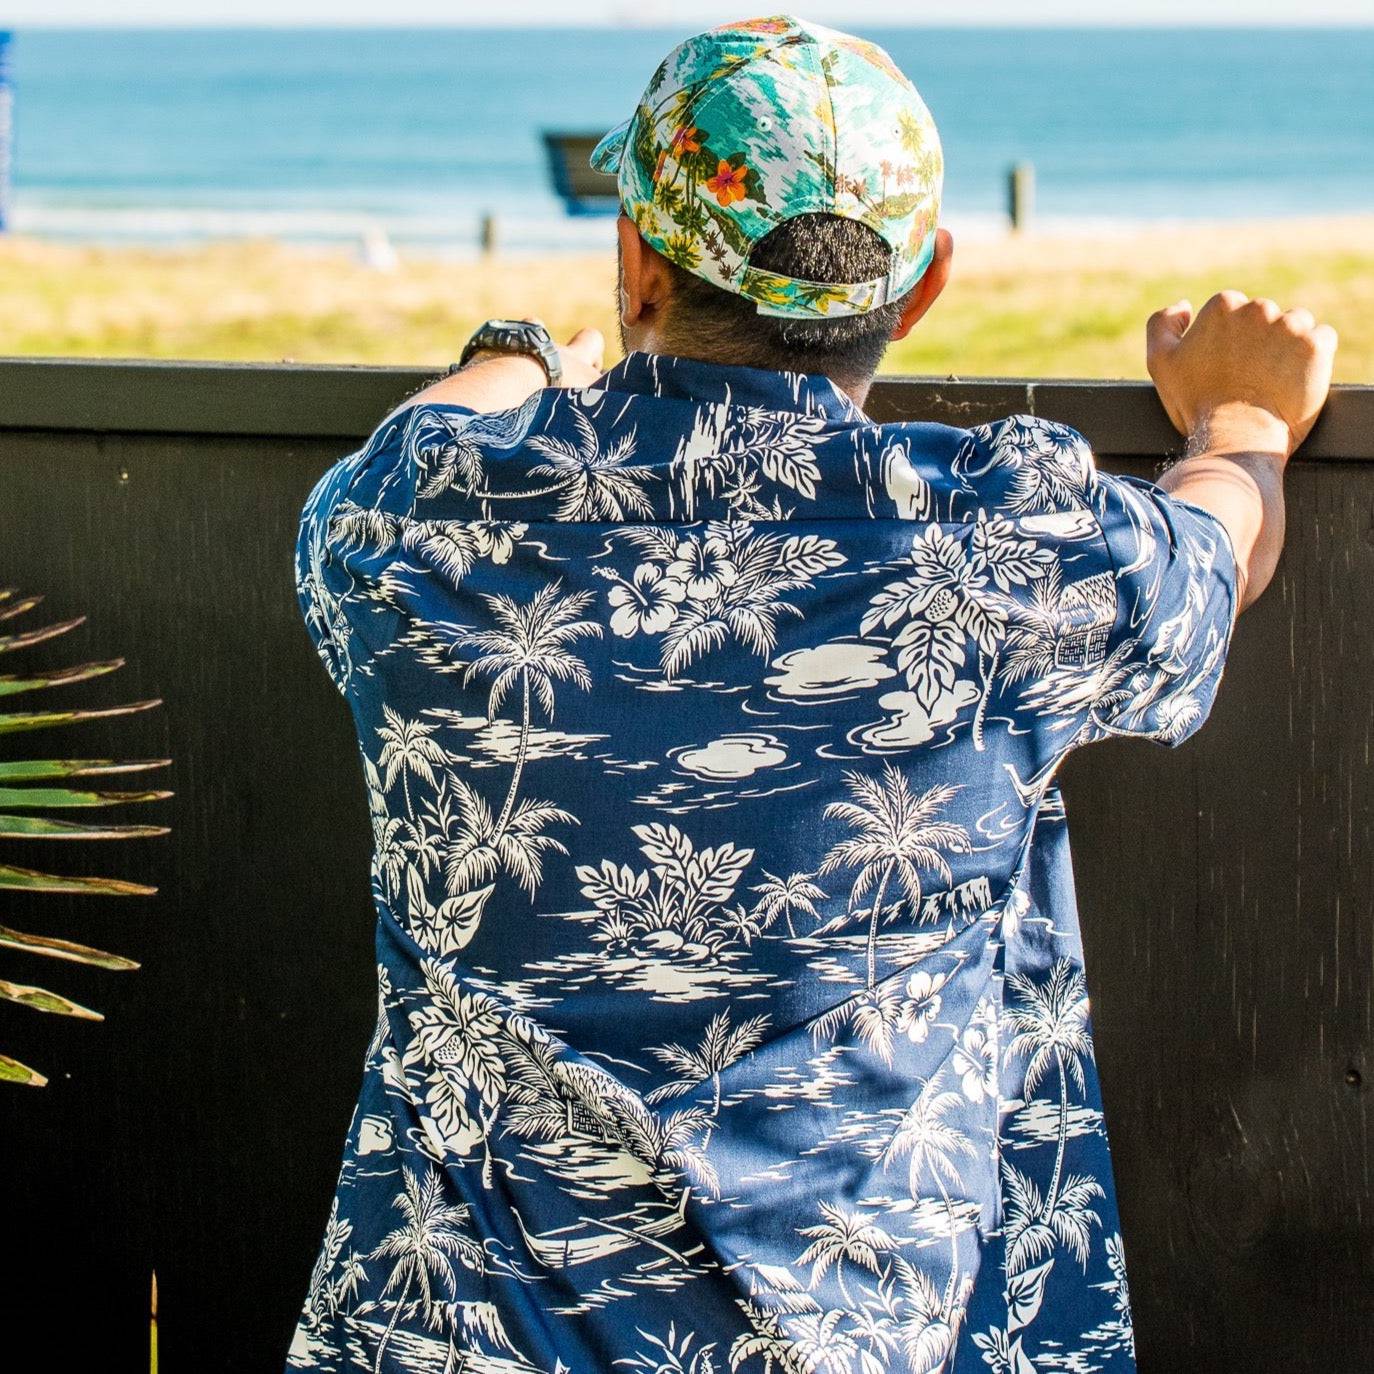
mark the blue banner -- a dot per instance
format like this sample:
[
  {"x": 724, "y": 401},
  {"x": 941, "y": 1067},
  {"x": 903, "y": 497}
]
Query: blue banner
[{"x": 6, "y": 129}]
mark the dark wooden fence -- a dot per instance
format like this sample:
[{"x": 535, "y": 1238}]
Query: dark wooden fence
[{"x": 1225, "y": 890}]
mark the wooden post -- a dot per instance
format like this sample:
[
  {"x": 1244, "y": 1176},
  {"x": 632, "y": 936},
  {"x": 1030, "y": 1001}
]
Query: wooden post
[
  {"x": 1021, "y": 195},
  {"x": 487, "y": 235}
]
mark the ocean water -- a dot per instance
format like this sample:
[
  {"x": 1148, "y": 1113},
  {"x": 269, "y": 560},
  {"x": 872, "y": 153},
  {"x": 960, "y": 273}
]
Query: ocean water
[{"x": 319, "y": 134}]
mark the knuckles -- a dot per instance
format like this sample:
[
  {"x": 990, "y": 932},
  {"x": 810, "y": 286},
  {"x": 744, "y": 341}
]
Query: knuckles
[{"x": 1227, "y": 300}]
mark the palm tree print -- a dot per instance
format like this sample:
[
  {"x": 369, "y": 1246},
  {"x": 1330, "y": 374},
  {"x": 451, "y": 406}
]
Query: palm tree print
[
  {"x": 449, "y": 547},
  {"x": 958, "y": 593},
  {"x": 1034, "y": 631},
  {"x": 843, "y": 1237},
  {"x": 897, "y": 834},
  {"x": 783, "y": 896},
  {"x": 720, "y": 1046},
  {"x": 479, "y": 847},
  {"x": 672, "y": 1354},
  {"x": 423, "y": 1245},
  {"x": 591, "y": 483},
  {"x": 1033, "y": 1228},
  {"x": 930, "y": 1145},
  {"x": 407, "y": 748},
  {"x": 632, "y": 1014},
  {"x": 1050, "y": 1025},
  {"x": 546, "y": 1097},
  {"x": 766, "y": 1340},
  {"x": 326, "y": 1294},
  {"x": 450, "y": 449},
  {"x": 529, "y": 649},
  {"x": 667, "y": 1143}
]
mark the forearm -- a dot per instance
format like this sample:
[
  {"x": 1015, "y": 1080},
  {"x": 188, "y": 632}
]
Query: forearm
[
  {"x": 1234, "y": 469},
  {"x": 490, "y": 383}
]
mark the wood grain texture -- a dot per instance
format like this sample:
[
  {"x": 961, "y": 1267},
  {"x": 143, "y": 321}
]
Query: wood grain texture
[
  {"x": 314, "y": 401},
  {"x": 1224, "y": 890}
]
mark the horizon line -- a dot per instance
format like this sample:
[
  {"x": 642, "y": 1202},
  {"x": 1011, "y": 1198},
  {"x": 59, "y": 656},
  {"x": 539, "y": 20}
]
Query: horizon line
[{"x": 1202, "y": 24}]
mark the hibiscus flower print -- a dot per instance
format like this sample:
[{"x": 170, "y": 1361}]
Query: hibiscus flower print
[
  {"x": 647, "y": 604},
  {"x": 729, "y": 183},
  {"x": 496, "y": 539},
  {"x": 704, "y": 567},
  {"x": 685, "y": 140},
  {"x": 975, "y": 1060},
  {"x": 922, "y": 1005}
]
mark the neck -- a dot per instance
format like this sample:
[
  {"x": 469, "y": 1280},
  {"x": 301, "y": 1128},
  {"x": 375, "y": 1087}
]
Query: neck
[{"x": 856, "y": 390}]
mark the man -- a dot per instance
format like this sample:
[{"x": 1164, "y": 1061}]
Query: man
[{"x": 732, "y": 1009}]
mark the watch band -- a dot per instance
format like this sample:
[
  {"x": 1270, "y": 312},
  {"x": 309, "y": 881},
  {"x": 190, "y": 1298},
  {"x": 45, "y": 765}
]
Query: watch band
[{"x": 515, "y": 336}]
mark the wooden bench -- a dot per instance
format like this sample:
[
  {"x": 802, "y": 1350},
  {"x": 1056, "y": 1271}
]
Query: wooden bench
[{"x": 584, "y": 191}]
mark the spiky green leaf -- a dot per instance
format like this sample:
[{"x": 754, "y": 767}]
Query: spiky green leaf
[
  {"x": 25, "y": 603},
  {"x": 12, "y": 683},
  {"x": 33, "y": 770},
  {"x": 49, "y": 828},
  {"x": 40, "y": 999},
  {"x": 27, "y": 797},
  {"x": 12, "y": 1071},
  {"x": 14, "y": 721},
  {"x": 30, "y": 880},
  {"x": 38, "y": 636},
  {"x": 64, "y": 949}
]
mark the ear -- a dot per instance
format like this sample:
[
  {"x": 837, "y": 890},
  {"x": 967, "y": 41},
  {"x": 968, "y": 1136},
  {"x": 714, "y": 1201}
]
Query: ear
[
  {"x": 644, "y": 280},
  {"x": 930, "y": 285}
]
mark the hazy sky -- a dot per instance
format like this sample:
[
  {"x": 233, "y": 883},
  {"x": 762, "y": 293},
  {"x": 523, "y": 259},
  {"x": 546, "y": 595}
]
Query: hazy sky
[{"x": 21, "y": 13}]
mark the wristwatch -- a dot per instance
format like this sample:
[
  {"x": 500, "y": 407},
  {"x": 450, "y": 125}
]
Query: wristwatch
[{"x": 515, "y": 336}]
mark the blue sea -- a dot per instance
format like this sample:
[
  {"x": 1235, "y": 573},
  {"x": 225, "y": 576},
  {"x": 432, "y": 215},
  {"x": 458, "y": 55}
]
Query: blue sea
[{"x": 322, "y": 134}]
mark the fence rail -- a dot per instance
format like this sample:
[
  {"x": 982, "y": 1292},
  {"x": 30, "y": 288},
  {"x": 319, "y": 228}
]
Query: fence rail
[
  {"x": 1225, "y": 890},
  {"x": 322, "y": 401}
]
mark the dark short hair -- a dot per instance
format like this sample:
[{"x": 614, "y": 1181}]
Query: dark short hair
[{"x": 706, "y": 321}]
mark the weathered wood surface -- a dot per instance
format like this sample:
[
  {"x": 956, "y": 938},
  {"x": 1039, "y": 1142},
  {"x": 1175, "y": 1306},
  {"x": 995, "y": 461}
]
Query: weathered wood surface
[{"x": 1224, "y": 891}]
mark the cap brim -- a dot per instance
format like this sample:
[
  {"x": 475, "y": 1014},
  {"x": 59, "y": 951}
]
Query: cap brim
[{"x": 607, "y": 154}]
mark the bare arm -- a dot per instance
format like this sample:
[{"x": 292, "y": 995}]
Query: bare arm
[
  {"x": 1233, "y": 467},
  {"x": 494, "y": 382},
  {"x": 1245, "y": 382}
]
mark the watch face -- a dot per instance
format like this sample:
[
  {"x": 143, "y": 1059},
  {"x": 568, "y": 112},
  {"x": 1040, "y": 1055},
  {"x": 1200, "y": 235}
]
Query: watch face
[{"x": 519, "y": 336}]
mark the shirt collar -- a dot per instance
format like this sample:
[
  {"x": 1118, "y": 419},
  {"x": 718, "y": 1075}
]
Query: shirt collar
[{"x": 660, "y": 374}]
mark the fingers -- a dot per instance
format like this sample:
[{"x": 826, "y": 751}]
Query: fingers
[
  {"x": 1164, "y": 330},
  {"x": 1166, "y": 327},
  {"x": 1228, "y": 299},
  {"x": 1299, "y": 320},
  {"x": 1325, "y": 338},
  {"x": 589, "y": 346},
  {"x": 1266, "y": 309}
]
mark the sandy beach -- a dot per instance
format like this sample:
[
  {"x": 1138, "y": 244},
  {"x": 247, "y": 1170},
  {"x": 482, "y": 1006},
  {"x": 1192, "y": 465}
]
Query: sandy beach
[{"x": 1045, "y": 303}]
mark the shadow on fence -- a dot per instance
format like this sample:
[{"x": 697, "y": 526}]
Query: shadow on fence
[{"x": 1225, "y": 891}]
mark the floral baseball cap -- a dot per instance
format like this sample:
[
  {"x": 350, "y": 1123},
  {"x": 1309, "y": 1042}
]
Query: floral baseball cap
[{"x": 747, "y": 125}]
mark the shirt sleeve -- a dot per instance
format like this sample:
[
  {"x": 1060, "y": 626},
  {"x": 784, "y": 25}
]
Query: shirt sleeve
[
  {"x": 344, "y": 521},
  {"x": 319, "y": 603},
  {"x": 1175, "y": 576}
]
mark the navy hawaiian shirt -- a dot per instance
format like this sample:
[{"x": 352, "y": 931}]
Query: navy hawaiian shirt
[{"x": 732, "y": 1011}]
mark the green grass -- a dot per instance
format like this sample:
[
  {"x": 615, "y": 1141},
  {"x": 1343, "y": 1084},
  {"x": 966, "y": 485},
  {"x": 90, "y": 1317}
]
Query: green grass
[{"x": 1023, "y": 306}]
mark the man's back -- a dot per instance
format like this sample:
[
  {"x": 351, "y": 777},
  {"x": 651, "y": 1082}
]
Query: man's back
[{"x": 732, "y": 997}]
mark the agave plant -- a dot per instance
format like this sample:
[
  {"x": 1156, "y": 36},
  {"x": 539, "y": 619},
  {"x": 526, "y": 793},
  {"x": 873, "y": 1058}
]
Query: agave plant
[{"x": 31, "y": 785}]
